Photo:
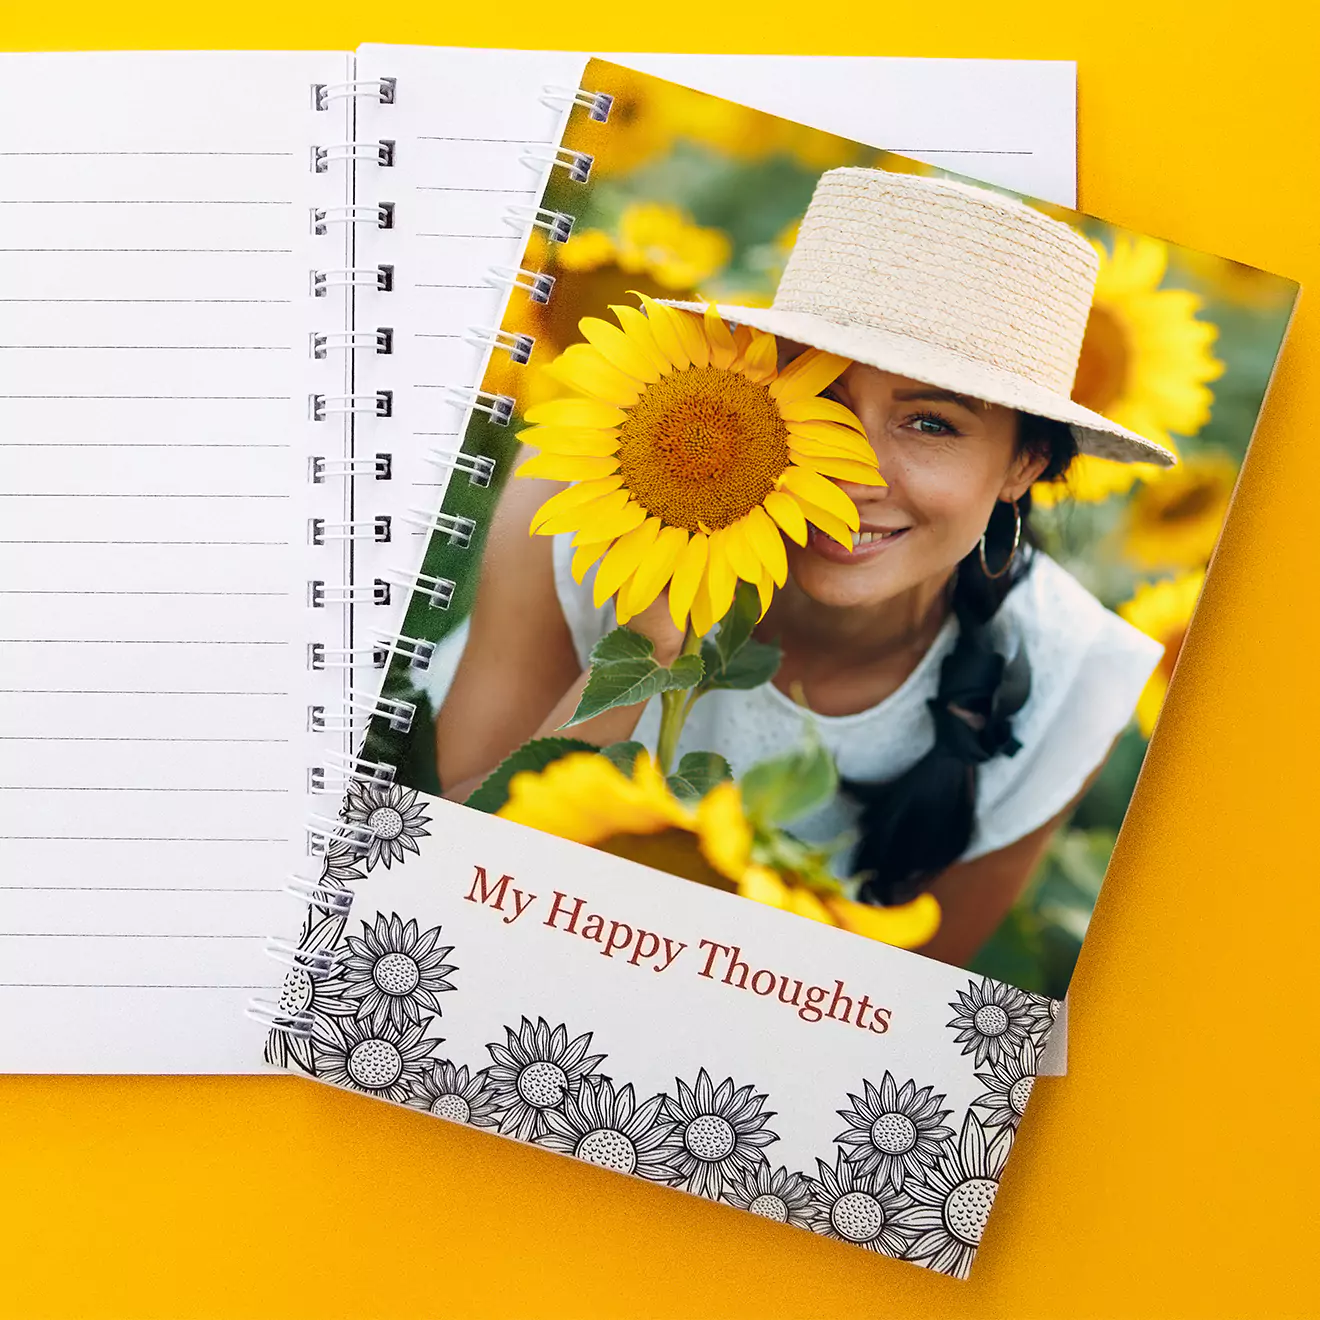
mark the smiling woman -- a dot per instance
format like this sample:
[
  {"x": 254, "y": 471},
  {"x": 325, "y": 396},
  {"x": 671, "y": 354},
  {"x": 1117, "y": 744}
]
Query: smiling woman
[{"x": 966, "y": 687}]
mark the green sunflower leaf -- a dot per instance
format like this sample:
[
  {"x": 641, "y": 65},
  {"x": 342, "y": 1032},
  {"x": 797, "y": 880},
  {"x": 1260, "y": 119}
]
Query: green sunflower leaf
[
  {"x": 734, "y": 659},
  {"x": 493, "y": 791},
  {"x": 787, "y": 787},
  {"x": 697, "y": 774},
  {"x": 623, "y": 755},
  {"x": 625, "y": 672}
]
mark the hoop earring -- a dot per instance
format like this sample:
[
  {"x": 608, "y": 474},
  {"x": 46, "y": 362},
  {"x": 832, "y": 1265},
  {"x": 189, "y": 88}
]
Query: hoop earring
[{"x": 1012, "y": 554}]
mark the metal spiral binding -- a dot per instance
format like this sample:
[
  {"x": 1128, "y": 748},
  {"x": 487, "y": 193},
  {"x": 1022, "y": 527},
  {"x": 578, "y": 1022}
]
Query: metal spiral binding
[
  {"x": 380, "y": 278},
  {"x": 355, "y": 769},
  {"x": 380, "y": 151},
  {"x": 379, "y": 214},
  {"x": 320, "y": 594},
  {"x": 535, "y": 283},
  {"x": 337, "y": 901},
  {"x": 597, "y": 104},
  {"x": 577, "y": 163},
  {"x": 381, "y": 468},
  {"x": 320, "y": 656},
  {"x": 517, "y": 346},
  {"x": 380, "y": 89},
  {"x": 317, "y": 963},
  {"x": 557, "y": 224},
  {"x": 479, "y": 467},
  {"x": 498, "y": 406},
  {"x": 297, "y": 1022},
  {"x": 321, "y": 530},
  {"x": 455, "y": 526},
  {"x": 325, "y": 405},
  {"x": 381, "y": 340},
  {"x": 415, "y": 650},
  {"x": 438, "y": 591}
]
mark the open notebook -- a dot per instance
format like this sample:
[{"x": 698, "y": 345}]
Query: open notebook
[
  {"x": 760, "y": 406},
  {"x": 234, "y": 291}
]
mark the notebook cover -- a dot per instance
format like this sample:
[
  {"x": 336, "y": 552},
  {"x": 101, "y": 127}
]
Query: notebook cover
[{"x": 594, "y": 1005}]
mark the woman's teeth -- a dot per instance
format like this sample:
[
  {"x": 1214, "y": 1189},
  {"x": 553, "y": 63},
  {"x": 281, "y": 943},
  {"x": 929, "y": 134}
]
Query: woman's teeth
[{"x": 865, "y": 538}]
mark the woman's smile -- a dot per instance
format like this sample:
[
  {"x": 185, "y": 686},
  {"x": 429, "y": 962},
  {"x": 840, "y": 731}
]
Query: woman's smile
[{"x": 870, "y": 540}]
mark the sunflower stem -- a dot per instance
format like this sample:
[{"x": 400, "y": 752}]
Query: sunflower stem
[{"x": 674, "y": 708}]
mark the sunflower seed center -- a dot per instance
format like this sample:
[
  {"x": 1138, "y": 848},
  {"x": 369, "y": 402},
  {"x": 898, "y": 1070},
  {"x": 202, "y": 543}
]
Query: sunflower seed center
[{"x": 968, "y": 1207}]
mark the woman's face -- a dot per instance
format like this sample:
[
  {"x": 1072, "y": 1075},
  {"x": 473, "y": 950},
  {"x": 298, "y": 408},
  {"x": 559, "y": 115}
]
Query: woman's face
[{"x": 946, "y": 458}]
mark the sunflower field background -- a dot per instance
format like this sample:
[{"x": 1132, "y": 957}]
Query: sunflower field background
[{"x": 691, "y": 196}]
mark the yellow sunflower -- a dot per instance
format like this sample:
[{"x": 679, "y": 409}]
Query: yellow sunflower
[
  {"x": 1174, "y": 520},
  {"x": 1146, "y": 363},
  {"x": 1162, "y": 610},
  {"x": 691, "y": 457},
  {"x": 586, "y": 798},
  {"x": 656, "y": 239}
]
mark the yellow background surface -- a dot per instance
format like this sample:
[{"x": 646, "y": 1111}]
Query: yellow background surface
[{"x": 1173, "y": 1173}]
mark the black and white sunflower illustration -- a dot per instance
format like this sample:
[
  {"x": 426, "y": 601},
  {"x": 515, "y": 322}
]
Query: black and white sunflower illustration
[
  {"x": 383, "y": 1062},
  {"x": 779, "y": 1195},
  {"x": 533, "y": 1072},
  {"x": 992, "y": 1019},
  {"x": 306, "y": 991},
  {"x": 717, "y": 1135},
  {"x": 953, "y": 1200},
  {"x": 607, "y": 1127},
  {"x": 394, "y": 971},
  {"x": 852, "y": 1206},
  {"x": 392, "y": 817},
  {"x": 453, "y": 1093},
  {"x": 896, "y": 1131},
  {"x": 341, "y": 866},
  {"x": 1008, "y": 1087},
  {"x": 1044, "y": 1013}
]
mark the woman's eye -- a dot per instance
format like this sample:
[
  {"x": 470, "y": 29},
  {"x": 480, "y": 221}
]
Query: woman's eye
[{"x": 931, "y": 424}]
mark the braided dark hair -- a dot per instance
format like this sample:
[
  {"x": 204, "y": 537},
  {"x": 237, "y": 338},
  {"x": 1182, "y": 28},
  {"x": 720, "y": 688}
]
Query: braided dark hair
[{"x": 914, "y": 826}]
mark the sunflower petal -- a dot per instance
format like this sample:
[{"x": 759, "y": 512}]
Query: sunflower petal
[
  {"x": 690, "y": 331},
  {"x": 617, "y": 349},
  {"x": 586, "y": 555},
  {"x": 608, "y": 526},
  {"x": 786, "y": 511},
  {"x": 841, "y": 469},
  {"x": 582, "y": 493},
  {"x": 765, "y": 589},
  {"x": 575, "y": 412},
  {"x": 664, "y": 326},
  {"x": 820, "y": 491},
  {"x": 657, "y": 568},
  {"x": 570, "y": 440},
  {"x": 816, "y": 409},
  {"x": 768, "y": 543},
  {"x": 833, "y": 527},
  {"x": 723, "y": 351},
  {"x": 623, "y": 558},
  {"x": 582, "y": 368},
  {"x": 909, "y": 925},
  {"x": 721, "y": 576},
  {"x": 807, "y": 375},
  {"x": 566, "y": 467},
  {"x": 742, "y": 554},
  {"x": 584, "y": 516},
  {"x": 703, "y": 613},
  {"x": 833, "y": 435},
  {"x": 689, "y": 571},
  {"x": 639, "y": 330},
  {"x": 760, "y": 358}
]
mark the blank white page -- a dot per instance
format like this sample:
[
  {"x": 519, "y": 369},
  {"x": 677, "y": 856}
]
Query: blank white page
[{"x": 155, "y": 249}]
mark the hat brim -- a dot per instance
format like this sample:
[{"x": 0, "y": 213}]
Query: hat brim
[{"x": 947, "y": 370}]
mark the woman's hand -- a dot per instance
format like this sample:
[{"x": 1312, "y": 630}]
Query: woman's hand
[{"x": 657, "y": 627}]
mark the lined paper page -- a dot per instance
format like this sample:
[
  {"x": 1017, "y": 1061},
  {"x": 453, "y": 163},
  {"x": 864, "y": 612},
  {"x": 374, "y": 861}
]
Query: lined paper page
[
  {"x": 155, "y": 248},
  {"x": 461, "y": 119}
]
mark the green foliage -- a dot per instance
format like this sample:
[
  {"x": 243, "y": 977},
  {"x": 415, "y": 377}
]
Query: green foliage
[
  {"x": 697, "y": 774},
  {"x": 624, "y": 672},
  {"x": 623, "y": 755},
  {"x": 784, "y": 788},
  {"x": 733, "y": 658},
  {"x": 493, "y": 791}
]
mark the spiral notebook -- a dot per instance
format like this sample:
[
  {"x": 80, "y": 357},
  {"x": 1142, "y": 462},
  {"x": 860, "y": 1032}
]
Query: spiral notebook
[
  {"x": 598, "y": 942},
  {"x": 244, "y": 299}
]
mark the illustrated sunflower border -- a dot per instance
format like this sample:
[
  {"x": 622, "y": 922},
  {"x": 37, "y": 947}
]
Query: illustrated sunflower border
[{"x": 362, "y": 1009}]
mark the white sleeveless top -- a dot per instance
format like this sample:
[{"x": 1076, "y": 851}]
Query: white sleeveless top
[{"x": 1088, "y": 667}]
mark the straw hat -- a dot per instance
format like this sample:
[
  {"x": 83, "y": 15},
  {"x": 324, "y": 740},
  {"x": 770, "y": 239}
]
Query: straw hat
[{"x": 948, "y": 284}]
